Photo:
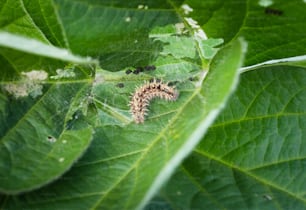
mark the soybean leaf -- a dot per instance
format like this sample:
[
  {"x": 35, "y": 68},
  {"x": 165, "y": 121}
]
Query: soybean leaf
[
  {"x": 253, "y": 157},
  {"x": 43, "y": 130},
  {"x": 115, "y": 31},
  {"x": 273, "y": 29},
  {"x": 127, "y": 161},
  {"x": 40, "y": 138}
]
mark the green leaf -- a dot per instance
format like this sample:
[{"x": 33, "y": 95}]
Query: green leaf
[
  {"x": 14, "y": 18},
  {"x": 208, "y": 47},
  {"x": 129, "y": 162},
  {"x": 272, "y": 32},
  {"x": 116, "y": 32},
  {"x": 32, "y": 19},
  {"x": 179, "y": 47},
  {"x": 41, "y": 133},
  {"x": 253, "y": 156},
  {"x": 40, "y": 105},
  {"x": 33, "y": 26},
  {"x": 51, "y": 26}
]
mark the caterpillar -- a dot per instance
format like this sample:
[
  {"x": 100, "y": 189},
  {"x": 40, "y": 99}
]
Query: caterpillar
[{"x": 143, "y": 94}]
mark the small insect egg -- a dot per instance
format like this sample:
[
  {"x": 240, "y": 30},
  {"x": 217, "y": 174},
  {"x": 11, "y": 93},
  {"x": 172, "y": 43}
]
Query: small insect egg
[
  {"x": 120, "y": 85},
  {"x": 149, "y": 68},
  {"x": 128, "y": 71},
  {"x": 140, "y": 69}
]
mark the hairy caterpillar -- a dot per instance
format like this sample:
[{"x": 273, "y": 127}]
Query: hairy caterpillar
[{"x": 142, "y": 96}]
